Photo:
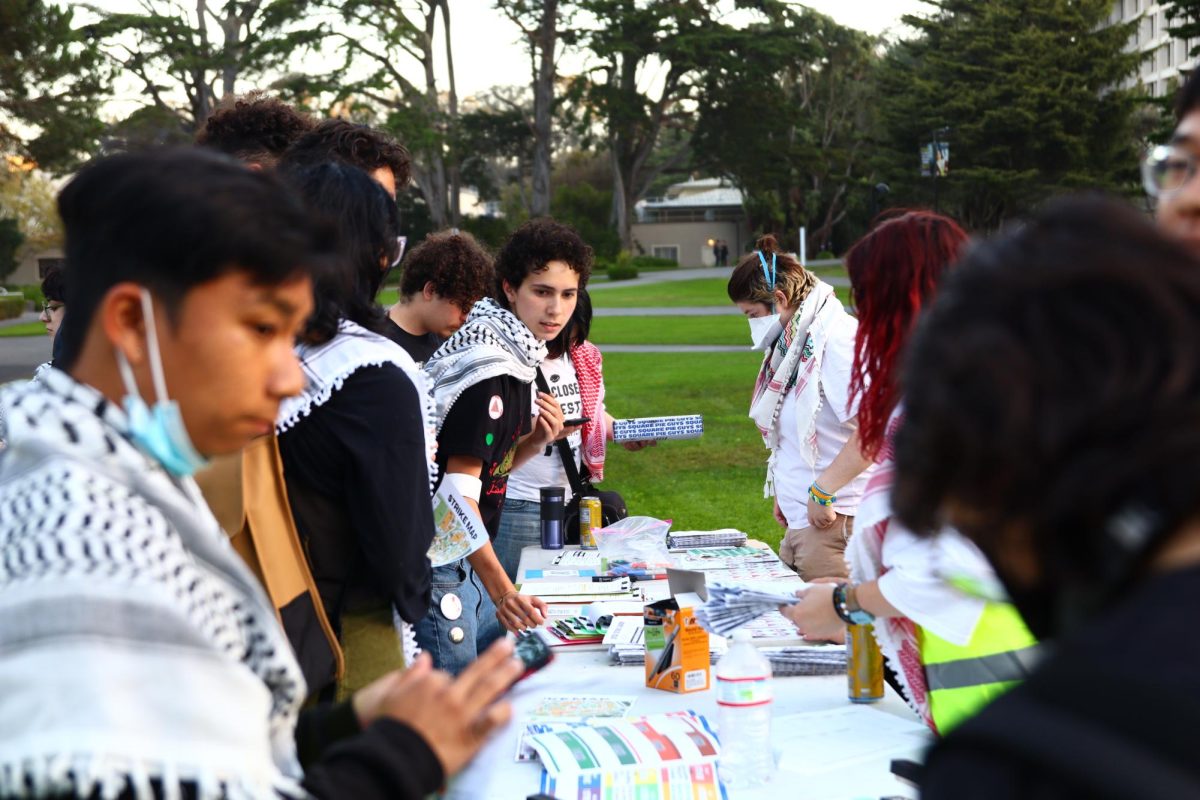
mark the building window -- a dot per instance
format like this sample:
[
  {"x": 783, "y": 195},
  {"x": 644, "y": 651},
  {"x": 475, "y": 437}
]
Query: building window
[
  {"x": 1169, "y": 54},
  {"x": 1150, "y": 20},
  {"x": 670, "y": 251}
]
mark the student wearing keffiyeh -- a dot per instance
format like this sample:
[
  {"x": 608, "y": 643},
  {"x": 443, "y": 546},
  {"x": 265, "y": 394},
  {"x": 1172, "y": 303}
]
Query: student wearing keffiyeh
[
  {"x": 803, "y": 408},
  {"x": 481, "y": 384},
  {"x": 140, "y": 657}
]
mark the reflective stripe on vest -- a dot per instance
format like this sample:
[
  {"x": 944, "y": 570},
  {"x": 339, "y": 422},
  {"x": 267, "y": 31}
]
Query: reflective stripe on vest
[
  {"x": 1014, "y": 665},
  {"x": 963, "y": 679}
]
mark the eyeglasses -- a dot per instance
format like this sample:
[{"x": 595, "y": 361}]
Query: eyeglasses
[
  {"x": 1166, "y": 170},
  {"x": 51, "y": 306},
  {"x": 401, "y": 244}
]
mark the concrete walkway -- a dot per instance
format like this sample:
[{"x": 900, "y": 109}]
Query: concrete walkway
[
  {"x": 670, "y": 275},
  {"x": 28, "y": 316}
]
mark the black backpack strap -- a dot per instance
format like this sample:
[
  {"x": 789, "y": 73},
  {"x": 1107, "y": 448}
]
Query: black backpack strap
[
  {"x": 1109, "y": 736},
  {"x": 564, "y": 449}
]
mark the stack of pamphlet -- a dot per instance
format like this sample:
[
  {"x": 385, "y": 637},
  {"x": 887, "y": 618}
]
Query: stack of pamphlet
[
  {"x": 661, "y": 755},
  {"x": 726, "y": 537},
  {"x": 730, "y": 607}
]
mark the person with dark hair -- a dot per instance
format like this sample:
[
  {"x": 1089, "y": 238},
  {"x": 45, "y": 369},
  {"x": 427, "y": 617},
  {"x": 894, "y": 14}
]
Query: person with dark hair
[
  {"x": 54, "y": 290},
  {"x": 357, "y": 443},
  {"x": 803, "y": 407},
  {"x": 443, "y": 278},
  {"x": 1052, "y": 404},
  {"x": 1168, "y": 169},
  {"x": 572, "y": 371},
  {"x": 926, "y": 627},
  {"x": 371, "y": 150},
  {"x": 481, "y": 385},
  {"x": 254, "y": 128},
  {"x": 151, "y": 654}
]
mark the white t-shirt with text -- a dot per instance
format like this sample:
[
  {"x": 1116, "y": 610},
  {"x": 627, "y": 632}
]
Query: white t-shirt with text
[{"x": 546, "y": 467}]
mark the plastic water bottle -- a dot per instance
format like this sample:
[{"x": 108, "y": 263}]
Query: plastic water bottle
[{"x": 744, "y": 714}]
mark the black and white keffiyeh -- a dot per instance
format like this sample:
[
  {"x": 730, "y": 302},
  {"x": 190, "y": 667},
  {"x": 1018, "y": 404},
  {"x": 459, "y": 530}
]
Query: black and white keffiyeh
[
  {"x": 492, "y": 342},
  {"x": 135, "y": 646},
  {"x": 327, "y": 366}
]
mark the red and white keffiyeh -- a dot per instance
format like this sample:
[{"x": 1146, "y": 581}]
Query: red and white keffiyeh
[{"x": 587, "y": 360}]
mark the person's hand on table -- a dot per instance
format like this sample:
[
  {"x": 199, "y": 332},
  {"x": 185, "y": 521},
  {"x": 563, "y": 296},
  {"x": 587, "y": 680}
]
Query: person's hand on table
[
  {"x": 641, "y": 444},
  {"x": 820, "y": 516},
  {"x": 548, "y": 426},
  {"x": 814, "y": 616},
  {"x": 454, "y": 716},
  {"x": 519, "y": 612},
  {"x": 779, "y": 517}
]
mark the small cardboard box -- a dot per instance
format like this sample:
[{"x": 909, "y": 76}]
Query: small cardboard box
[
  {"x": 689, "y": 426},
  {"x": 677, "y": 657}
]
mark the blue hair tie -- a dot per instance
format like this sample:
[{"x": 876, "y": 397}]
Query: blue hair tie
[{"x": 769, "y": 276}]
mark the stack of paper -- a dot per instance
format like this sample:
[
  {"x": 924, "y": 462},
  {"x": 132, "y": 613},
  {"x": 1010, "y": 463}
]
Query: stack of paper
[
  {"x": 581, "y": 590},
  {"x": 726, "y": 537},
  {"x": 730, "y": 607},
  {"x": 818, "y": 660},
  {"x": 663, "y": 755}
]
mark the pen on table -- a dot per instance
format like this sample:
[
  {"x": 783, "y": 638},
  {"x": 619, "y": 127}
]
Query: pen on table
[{"x": 603, "y": 578}]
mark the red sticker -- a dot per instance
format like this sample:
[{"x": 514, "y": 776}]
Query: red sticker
[{"x": 496, "y": 407}]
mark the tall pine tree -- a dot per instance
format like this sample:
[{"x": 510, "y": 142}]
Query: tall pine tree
[{"x": 1025, "y": 93}]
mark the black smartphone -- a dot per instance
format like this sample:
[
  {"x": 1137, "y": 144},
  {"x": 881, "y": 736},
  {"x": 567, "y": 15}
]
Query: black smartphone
[
  {"x": 568, "y": 423},
  {"x": 533, "y": 652}
]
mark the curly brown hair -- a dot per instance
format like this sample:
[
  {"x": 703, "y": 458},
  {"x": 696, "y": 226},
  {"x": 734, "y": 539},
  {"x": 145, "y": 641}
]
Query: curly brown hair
[
  {"x": 749, "y": 284},
  {"x": 254, "y": 127},
  {"x": 534, "y": 245},
  {"x": 457, "y": 265},
  {"x": 359, "y": 146}
]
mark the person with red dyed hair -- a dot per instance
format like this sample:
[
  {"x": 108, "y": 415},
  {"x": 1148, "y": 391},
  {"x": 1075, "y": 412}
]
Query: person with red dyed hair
[{"x": 952, "y": 650}]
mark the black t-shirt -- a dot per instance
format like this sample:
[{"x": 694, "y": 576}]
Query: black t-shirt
[
  {"x": 419, "y": 347},
  {"x": 485, "y": 423},
  {"x": 358, "y": 484}
]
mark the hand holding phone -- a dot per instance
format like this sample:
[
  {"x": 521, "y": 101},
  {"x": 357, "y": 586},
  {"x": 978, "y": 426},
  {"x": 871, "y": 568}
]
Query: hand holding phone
[
  {"x": 533, "y": 652},
  {"x": 570, "y": 423}
]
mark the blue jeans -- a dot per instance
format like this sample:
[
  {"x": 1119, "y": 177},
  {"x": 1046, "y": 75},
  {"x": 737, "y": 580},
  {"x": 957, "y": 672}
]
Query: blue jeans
[
  {"x": 478, "y": 623},
  {"x": 520, "y": 527}
]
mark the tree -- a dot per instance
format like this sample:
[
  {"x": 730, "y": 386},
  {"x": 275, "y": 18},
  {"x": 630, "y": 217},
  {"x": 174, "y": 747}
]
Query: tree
[
  {"x": 1184, "y": 16},
  {"x": 30, "y": 198},
  {"x": 201, "y": 53},
  {"x": 11, "y": 240},
  {"x": 1024, "y": 92},
  {"x": 382, "y": 35},
  {"x": 543, "y": 24},
  {"x": 51, "y": 85},
  {"x": 791, "y": 127},
  {"x": 628, "y": 41}
]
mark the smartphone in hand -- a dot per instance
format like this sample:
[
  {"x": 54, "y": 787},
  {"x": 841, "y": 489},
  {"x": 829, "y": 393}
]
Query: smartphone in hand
[
  {"x": 570, "y": 423},
  {"x": 533, "y": 652}
]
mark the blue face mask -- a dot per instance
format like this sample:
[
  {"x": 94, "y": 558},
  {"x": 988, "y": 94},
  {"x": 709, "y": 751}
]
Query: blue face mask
[{"x": 160, "y": 432}]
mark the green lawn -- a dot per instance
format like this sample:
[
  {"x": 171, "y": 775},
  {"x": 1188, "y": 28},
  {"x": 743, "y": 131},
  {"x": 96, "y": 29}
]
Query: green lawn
[
  {"x": 729, "y": 329},
  {"x": 712, "y": 482},
  {"x": 23, "y": 329},
  {"x": 693, "y": 292}
]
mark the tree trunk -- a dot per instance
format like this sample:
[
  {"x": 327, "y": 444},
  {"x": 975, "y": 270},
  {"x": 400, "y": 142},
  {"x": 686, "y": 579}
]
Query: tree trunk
[
  {"x": 454, "y": 169},
  {"x": 621, "y": 205},
  {"x": 434, "y": 188},
  {"x": 543, "y": 100}
]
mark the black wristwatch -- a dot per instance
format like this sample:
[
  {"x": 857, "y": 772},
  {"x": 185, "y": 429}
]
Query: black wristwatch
[{"x": 847, "y": 607}]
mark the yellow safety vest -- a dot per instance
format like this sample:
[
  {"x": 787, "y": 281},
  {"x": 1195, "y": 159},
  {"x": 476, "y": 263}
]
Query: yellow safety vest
[{"x": 962, "y": 680}]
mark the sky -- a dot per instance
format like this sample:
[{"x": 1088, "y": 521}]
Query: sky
[{"x": 503, "y": 62}]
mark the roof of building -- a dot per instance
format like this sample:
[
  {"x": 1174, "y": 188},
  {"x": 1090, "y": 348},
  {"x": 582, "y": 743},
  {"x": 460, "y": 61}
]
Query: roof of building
[{"x": 701, "y": 193}]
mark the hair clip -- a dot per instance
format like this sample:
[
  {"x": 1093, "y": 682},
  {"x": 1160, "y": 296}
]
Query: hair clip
[{"x": 769, "y": 276}]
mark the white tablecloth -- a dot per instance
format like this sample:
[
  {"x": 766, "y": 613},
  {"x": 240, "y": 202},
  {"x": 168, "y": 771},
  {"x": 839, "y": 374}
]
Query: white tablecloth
[{"x": 495, "y": 773}]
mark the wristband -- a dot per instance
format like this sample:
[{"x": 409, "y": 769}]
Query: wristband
[
  {"x": 467, "y": 485},
  {"x": 820, "y": 496},
  {"x": 841, "y": 607}
]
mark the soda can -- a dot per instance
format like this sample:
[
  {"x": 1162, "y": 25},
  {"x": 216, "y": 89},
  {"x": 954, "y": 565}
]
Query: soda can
[
  {"x": 591, "y": 516},
  {"x": 864, "y": 665}
]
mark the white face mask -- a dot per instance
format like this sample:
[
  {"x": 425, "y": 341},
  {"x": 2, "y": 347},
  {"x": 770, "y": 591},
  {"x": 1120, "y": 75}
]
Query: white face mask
[{"x": 764, "y": 331}]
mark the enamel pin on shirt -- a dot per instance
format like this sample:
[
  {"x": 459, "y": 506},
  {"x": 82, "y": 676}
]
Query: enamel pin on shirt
[{"x": 451, "y": 606}]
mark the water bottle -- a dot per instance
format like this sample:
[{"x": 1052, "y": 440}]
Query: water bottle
[
  {"x": 744, "y": 714},
  {"x": 552, "y": 510}
]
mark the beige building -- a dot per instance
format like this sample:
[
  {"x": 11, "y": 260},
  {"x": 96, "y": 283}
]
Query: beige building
[
  {"x": 686, "y": 222},
  {"x": 33, "y": 265},
  {"x": 1166, "y": 57}
]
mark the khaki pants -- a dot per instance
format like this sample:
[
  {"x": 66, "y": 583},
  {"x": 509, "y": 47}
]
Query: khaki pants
[{"x": 818, "y": 552}]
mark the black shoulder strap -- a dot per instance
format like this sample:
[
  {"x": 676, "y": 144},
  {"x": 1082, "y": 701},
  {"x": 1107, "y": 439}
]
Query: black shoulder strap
[{"x": 564, "y": 449}]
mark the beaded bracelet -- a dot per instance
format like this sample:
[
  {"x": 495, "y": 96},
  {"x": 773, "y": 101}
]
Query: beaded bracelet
[
  {"x": 820, "y": 496},
  {"x": 839, "y": 603}
]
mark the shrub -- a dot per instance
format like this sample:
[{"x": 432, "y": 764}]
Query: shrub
[
  {"x": 11, "y": 305},
  {"x": 623, "y": 268},
  {"x": 651, "y": 262},
  {"x": 824, "y": 255}
]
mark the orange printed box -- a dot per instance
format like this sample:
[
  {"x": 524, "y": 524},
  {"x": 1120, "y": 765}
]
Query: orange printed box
[{"x": 676, "y": 646}]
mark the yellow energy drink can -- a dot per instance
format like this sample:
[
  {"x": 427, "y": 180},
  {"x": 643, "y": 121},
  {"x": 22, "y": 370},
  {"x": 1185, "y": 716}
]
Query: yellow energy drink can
[
  {"x": 590, "y": 517},
  {"x": 864, "y": 665}
]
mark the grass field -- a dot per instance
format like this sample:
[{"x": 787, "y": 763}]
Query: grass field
[
  {"x": 34, "y": 328},
  {"x": 712, "y": 482},
  {"x": 692, "y": 292},
  {"x": 722, "y": 330}
]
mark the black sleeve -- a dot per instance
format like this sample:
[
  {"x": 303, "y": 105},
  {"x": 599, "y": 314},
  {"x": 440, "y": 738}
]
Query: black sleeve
[
  {"x": 387, "y": 761},
  {"x": 476, "y": 426},
  {"x": 322, "y": 726},
  {"x": 372, "y": 429},
  {"x": 960, "y": 772}
]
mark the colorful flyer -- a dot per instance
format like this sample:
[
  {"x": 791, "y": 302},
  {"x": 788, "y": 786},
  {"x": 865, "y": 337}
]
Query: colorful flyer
[{"x": 458, "y": 530}]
